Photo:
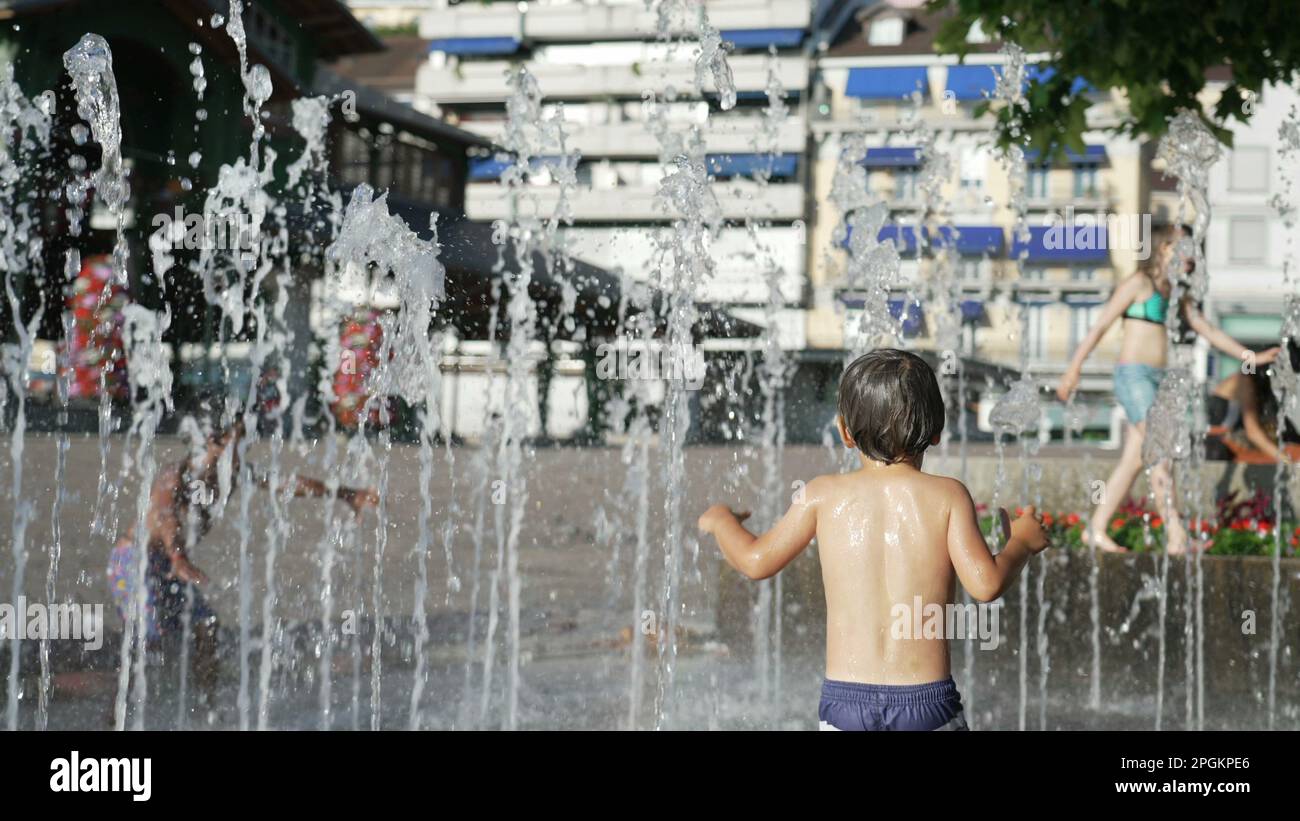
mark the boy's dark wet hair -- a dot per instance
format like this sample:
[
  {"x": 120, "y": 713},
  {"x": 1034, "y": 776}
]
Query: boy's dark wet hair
[{"x": 891, "y": 405}]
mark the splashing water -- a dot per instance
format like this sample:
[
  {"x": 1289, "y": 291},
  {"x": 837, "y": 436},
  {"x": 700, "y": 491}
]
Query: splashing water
[
  {"x": 365, "y": 246},
  {"x": 768, "y": 621},
  {"x": 1018, "y": 410},
  {"x": 712, "y": 63},
  {"x": 1189, "y": 150},
  {"x": 24, "y": 134},
  {"x": 373, "y": 239}
]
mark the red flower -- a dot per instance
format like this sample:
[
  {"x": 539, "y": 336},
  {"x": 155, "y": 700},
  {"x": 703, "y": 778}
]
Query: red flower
[{"x": 1073, "y": 519}]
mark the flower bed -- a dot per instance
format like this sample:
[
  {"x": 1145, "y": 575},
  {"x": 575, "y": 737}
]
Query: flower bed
[{"x": 1236, "y": 527}]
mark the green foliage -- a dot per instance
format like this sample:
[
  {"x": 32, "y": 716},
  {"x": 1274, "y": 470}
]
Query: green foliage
[{"x": 1156, "y": 51}]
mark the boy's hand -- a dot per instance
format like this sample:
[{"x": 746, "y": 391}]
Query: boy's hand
[
  {"x": 718, "y": 514},
  {"x": 183, "y": 570},
  {"x": 1028, "y": 528},
  {"x": 359, "y": 500}
]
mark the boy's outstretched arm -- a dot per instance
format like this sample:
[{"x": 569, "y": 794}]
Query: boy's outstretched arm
[
  {"x": 356, "y": 498},
  {"x": 984, "y": 575},
  {"x": 761, "y": 557}
]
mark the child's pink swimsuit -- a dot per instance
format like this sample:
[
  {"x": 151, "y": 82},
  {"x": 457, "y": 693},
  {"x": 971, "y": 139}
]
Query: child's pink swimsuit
[{"x": 164, "y": 601}]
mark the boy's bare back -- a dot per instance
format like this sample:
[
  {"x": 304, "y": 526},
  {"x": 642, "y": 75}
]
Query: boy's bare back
[
  {"x": 888, "y": 533},
  {"x": 882, "y": 538}
]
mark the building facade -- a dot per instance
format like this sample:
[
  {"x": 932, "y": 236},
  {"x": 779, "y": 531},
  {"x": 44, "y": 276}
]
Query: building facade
[
  {"x": 598, "y": 61},
  {"x": 1249, "y": 243},
  {"x": 869, "y": 71},
  {"x": 879, "y": 76},
  {"x": 389, "y": 15}
]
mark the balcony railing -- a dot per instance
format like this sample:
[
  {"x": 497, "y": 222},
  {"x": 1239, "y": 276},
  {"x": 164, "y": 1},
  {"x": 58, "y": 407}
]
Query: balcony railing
[
  {"x": 727, "y": 135},
  {"x": 476, "y": 81},
  {"x": 487, "y": 201},
  {"x": 602, "y": 21}
]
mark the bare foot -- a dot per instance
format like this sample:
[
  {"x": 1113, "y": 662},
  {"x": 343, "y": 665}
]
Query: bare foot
[
  {"x": 1104, "y": 542},
  {"x": 1176, "y": 544}
]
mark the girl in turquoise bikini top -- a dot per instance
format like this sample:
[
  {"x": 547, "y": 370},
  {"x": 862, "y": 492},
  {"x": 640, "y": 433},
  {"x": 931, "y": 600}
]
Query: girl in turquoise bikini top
[{"x": 1151, "y": 309}]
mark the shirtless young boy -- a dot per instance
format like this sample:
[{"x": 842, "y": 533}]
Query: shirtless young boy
[
  {"x": 886, "y": 533},
  {"x": 180, "y": 513}
]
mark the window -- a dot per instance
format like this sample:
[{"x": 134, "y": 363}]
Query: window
[
  {"x": 269, "y": 37},
  {"x": 970, "y": 269},
  {"x": 1036, "y": 182},
  {"x": 354, "y": 158},
  {"x": 1248, "y": 239},
  {"x": 1085, "y": 181},
  {"x": 1082, "y": 318},
  {"x": 1034, "y": 273},
  {"x": 905, "y": 184},
  {"x": 887, "y": 31},
  {"x": 973, "y": 167},
  {"x": 1083, "y": 274},
  {"x": 1035, "y": 327},
  {"x": 1248, "y": 169},
  {"x": 385, "y": 160}
]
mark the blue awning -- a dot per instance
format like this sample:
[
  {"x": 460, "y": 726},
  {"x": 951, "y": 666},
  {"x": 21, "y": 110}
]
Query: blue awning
[
  {"x": 971, "y": 82},
  {"x": 762, "y": 38},
  {"x": 1066, "y": 243},
  {"x": 1092, "y": 155},
  {"x": 491, "y": 168},
  {"x": 475, "y": 45},
  {"x": 903, "y": 237},
  {"x": 893, "y": 157},
  {"x": 893, "y": 83},
  {"x": 486, "y": 168},
  {"x": 972, "y": 310},
  {"x": 912, "y": 314},
  {"x": 1043, "y": 73},
  {"x": 746, "y": 165},
  {"x": 975, "y": 240}
]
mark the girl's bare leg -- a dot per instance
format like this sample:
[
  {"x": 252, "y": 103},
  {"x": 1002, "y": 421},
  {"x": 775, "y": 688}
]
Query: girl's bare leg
[
  {"x": 1118, "y": 485},
  {"x": 1162, "y": 485}
]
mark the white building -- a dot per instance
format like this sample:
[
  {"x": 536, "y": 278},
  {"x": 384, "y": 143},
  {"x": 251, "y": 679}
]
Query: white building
[
  {"x": 599, "y": 59},
  {"x": 388, "y": 14},
  {"x": 1247, "y": 244},
  {"x": 877, "y": 76}
]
